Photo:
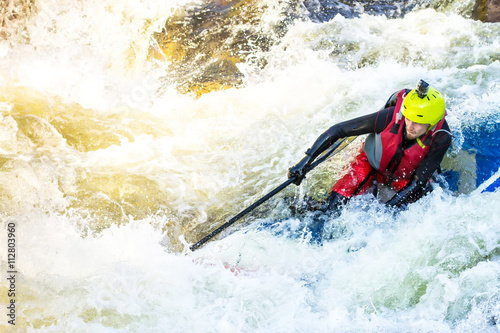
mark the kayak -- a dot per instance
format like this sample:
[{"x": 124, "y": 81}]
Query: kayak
[
  {"x": 480, "y": 160},
  {"x": 491, "y": 184}
]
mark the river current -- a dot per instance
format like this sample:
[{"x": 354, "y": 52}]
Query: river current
[{"x": 131, "y": 129}]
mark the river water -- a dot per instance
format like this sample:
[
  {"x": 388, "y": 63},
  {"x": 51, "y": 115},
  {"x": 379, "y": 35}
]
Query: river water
[{"x": 129, "y": 129}]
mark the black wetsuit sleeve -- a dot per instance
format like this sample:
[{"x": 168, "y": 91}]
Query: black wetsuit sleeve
[
  {"x": 375, "y": 122},
  {"x": 424, "y": 171},
  {"x": 372, "y": 123}
]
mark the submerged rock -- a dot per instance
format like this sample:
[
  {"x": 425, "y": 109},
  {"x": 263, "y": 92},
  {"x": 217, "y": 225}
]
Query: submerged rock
[
  {"x": 487, "y": 10},
  {"x": 13, "y": 17}
]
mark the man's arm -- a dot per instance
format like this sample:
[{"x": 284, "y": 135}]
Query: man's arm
[{"x": 375, "y": 122}]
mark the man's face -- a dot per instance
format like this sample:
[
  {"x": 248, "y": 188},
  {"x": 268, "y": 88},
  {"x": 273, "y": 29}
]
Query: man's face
[{"x": 415, "y": 130}]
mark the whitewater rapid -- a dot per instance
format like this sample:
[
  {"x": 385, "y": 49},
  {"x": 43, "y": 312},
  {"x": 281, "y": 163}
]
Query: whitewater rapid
[{"x": 110, "y": 164}]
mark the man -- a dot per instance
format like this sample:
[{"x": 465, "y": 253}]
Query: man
[{"x": 406, "y": 143}]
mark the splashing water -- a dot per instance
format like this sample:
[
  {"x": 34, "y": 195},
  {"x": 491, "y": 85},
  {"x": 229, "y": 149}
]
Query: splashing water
[{"x": 128, "y": 129}]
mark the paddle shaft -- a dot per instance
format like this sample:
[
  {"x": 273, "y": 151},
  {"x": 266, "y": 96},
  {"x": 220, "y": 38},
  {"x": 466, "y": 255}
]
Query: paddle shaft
[
  {"x": 241, "y": 214},
  {"x": 263, "y": 199}
]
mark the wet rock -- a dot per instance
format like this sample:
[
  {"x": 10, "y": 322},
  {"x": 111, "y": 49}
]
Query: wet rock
[
  {"x": 487, "y": 10},
  {"x": 13, "y": 16},
  {"x": 204, "y": 44}
]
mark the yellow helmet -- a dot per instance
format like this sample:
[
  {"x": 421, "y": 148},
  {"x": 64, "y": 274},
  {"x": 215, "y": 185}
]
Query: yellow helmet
[{"x": 424, "y": 105}]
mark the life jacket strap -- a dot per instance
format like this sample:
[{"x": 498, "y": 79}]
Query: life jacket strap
[
  {"x": 399, "y": 108},
  {"x": 420, "y": 143}
]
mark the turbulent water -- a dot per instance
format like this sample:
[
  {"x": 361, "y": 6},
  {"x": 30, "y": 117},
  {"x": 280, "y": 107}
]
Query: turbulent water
[{"x": 130, "y": 129}]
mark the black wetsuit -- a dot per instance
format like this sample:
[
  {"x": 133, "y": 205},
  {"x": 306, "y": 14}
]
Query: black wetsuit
[{"x": 376, "y": 123}]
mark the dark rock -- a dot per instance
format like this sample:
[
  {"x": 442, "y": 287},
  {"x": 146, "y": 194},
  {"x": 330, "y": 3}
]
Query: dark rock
[{"x": 487, "y": 10}]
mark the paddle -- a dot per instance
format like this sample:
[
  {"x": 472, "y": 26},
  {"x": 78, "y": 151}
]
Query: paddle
[{"x": 331, "y": 151}]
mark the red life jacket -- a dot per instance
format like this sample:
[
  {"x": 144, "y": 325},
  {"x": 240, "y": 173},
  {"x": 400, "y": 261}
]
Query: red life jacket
[{"x": 385, "y": 150}]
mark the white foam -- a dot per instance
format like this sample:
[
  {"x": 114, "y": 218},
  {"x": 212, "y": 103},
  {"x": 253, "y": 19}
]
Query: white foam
[{"x": 432, "y": 267}]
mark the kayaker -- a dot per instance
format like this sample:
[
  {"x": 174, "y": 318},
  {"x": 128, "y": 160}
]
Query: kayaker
[{"x": 406, "y": 143}]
